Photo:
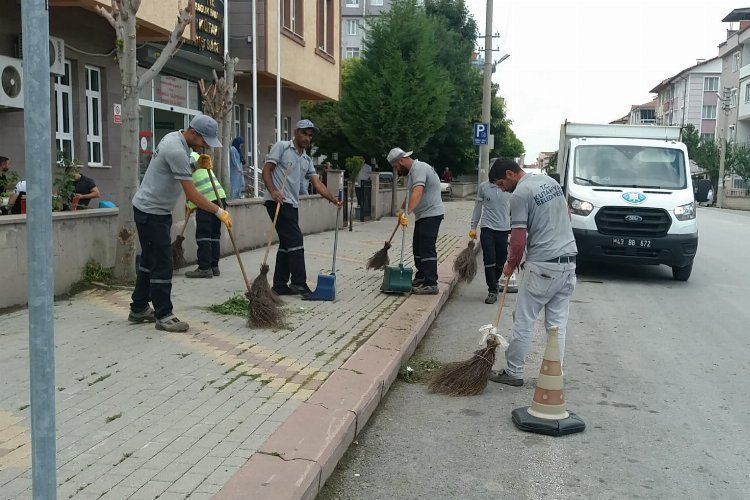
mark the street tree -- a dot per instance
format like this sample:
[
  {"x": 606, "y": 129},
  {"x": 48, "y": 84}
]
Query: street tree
[
  {"x": 122, "y": 15},
  {"x": 740, "y": 163},
  {"x": 399, "y": 93},
  {"x": 507, "y": 145}
]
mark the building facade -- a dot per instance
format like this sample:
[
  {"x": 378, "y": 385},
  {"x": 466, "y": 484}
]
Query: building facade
[
  {"x": 690, "y": 97},
  {"x": 355, "y": 14},
  {"x": 85, "y": 86}
]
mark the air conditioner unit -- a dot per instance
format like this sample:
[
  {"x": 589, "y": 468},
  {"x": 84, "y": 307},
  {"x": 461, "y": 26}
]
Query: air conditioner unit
[
  {"x": 11, "y": 89},
  {"x": 56, "y": 54}
]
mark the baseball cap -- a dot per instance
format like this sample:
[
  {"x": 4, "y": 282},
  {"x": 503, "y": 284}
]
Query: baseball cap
[
  {"x": 208, "y": 129},
  {"x": 303, "y": 124},
  {"x": 397, "y": 153}
]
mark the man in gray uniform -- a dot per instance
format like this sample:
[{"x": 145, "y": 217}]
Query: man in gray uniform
[
  {"x": 492, "y": 205},
  {"x": 540, "y": 224},
  {"x": 168, "y": 174},
  {"x": 290, "y": 159},
  {"x": 424, "y": 200}
]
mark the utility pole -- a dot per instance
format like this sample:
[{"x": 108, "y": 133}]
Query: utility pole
[
  {"x": 484, "y": 150},
  {"x": 723, "y": 146}
]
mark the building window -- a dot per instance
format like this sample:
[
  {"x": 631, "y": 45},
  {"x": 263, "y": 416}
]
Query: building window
[
  {"x": 709, "y": 112},
  {"x": 747, "y": 93},
  {"x": 733, "y": 98},
  {"x": 352, "y": 3},
  {"x": 707, "y": 136},
  {"x": 736, "y": 62},
  {"x": 285, "y": 128},
  {"x": 732, "y": 129},
  {"x": 249, "y": 139},
  {"x": 237, "y": 121},
  {"x": 352, "y": 26},
  {"x": 294, "y": 14},
  {"x": 94, "y": 114},
  {"x": 64, "y": 106},
  {"x": 376, "y": 3},
  {"x": 352, "y": 52},
  {"x": 325, "y": 26},
  {"x": 711, "y": 84}
]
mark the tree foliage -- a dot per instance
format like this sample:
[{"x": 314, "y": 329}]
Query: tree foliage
[
  {"x": 705, "y": 152},
  {"x": 399, "y": 93},
  {"x": 506, "y": 143}
]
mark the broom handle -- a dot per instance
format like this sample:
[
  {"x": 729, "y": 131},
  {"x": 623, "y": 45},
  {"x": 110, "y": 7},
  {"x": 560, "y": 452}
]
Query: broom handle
[
  {"x": 184, "y": 226},
  {"x": 275, "y": 218},
  {"x": 397, "y": 222},
  {"x": 502, "y": 301},
  {"x": 229, "y": 230}
]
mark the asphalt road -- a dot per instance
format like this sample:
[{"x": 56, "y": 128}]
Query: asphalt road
[{"x": 657, "y": 369}]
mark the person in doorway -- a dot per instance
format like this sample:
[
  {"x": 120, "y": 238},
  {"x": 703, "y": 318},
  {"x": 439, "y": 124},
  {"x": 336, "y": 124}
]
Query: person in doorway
[
  {"x": 288, "y": 159},
  {"x": 168, "y": 174},
  {"x": 540, "y": 225},
  {"x": 236, "y": 169},
  {"x": 207, "y": 226},
  {"x": 447, "y": 175},
  {"x": 492, "y": 207},
  {"x": 85, "y": 188},
  {"x": 363, "y": 175},
  {"x": 423, "y": 185}
]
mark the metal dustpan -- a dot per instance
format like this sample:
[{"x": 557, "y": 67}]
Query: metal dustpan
[
  {"x": 326, "y": 288},
  {"x": 397, "y": 279}
]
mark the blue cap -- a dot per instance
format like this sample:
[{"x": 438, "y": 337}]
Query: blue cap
[
  {"x": 303, "y": 124},
  {"x": 207, "y": 128}
]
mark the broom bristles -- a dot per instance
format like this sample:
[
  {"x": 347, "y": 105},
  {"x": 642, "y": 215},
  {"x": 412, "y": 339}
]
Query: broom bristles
[
  {"x": 178, "y": 253},
  {"x": 264, "y": 308},
  {"x": 380, "y": 258},
  {"x": 465, "y": 265},
  {"x": 466, "y": 378}
]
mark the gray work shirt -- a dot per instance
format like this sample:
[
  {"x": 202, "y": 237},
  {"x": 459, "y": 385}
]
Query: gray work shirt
[
  {"x": 538, "y": 204},
  {"x": 299, "y": 166},
  {"x": 431, "y": 204},
  {"x": 493, "y": 207},
  {"x": 160, "y": 188}
]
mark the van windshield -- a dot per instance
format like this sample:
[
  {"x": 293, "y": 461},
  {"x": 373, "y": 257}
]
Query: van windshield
[{"x": 630, "y": 166}]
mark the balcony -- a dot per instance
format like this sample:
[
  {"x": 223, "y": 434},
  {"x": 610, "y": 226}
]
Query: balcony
[{"x": 745, "y": 71}]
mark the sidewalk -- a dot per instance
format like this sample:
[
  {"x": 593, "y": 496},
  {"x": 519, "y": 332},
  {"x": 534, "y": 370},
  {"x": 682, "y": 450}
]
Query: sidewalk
[{"x": 143, "y": 413}]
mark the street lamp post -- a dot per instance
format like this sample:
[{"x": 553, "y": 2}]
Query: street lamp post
[
  {"x": 723, "y": 147},
  {"x": 484, "y": 149}
]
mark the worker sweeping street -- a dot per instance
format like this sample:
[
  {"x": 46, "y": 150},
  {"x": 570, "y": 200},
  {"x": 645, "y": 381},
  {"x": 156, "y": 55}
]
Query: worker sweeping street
[
  {"x": 423, "y": 186},
  {"x": 492, "y": 215},
  {"x": 540, "y": 224},
  {"x": 285, "y": 166},
  {"x": 207, "y": 226},
  {"x": 168, "y": 174}
]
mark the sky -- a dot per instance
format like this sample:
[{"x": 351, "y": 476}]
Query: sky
[{"x": 590, "y": 60}]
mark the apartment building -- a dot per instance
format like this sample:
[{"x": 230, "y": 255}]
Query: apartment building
[
  {"x": 355, "y": 14},
  {"x": 733, "y": 111},
  {"x": 643, "y": 114},
  {"x": 690, "y": 97},
  {"x": 85, "y": 84}
]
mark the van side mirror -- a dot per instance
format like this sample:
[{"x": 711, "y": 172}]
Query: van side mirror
[{"x": 555, "y": 176}]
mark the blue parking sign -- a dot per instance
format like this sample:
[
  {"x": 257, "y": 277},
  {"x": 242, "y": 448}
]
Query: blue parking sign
[{"x": 481, "y": 133}]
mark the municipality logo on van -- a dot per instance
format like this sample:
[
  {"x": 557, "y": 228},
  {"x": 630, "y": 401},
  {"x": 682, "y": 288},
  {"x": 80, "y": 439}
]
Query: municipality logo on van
[{"x": 634, "y": 197}]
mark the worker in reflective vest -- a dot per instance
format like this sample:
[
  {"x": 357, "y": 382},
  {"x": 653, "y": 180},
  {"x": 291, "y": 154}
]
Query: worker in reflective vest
[{"x": 207, "y": 226}]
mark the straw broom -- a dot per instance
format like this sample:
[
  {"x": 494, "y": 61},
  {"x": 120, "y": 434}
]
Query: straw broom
[
  {"x": 178, "y": 253},
  {"x": 469, "y": 378},
  {"x": 380, "y": 258},
  {"x": 264, "y": 303},
  {"x": 465, "y": 265}
]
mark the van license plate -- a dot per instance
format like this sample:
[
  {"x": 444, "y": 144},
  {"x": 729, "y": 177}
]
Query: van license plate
[{"x": 631, "y": 242}]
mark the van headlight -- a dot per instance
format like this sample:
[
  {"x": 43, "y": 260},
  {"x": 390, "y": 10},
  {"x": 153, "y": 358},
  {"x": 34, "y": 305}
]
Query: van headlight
[
  {"x": 685, "y": 212},
  {"x": 580, "y": 207}
]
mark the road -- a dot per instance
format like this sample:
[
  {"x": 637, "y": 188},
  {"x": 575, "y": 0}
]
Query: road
[{"x": 658, "y": 370}]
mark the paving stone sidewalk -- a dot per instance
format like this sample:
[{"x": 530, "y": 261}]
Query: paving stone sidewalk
[{"x": 143, "y": 413}]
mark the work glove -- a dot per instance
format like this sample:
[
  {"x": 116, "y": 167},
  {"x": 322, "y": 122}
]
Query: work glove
[
  {"x": 204, "y": 161},
  {"x": 188, "y": 211},
  {"x": 473, "y": 234},
  {"x": 224, "y": 217},
  {"x": 403, "y": 220}
]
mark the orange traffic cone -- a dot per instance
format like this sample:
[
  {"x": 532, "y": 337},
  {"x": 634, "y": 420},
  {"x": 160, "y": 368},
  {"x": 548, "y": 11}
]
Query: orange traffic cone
[{"x": 547, "y": 413}]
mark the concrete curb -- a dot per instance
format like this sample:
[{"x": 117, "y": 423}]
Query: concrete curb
[{"x": 297, "y": 459}]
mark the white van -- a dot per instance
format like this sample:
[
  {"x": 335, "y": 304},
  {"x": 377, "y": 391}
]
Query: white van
[{"x": 629, "y": 194}]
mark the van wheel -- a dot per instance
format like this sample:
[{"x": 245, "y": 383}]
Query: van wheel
[{"x": 682, "y": 273}]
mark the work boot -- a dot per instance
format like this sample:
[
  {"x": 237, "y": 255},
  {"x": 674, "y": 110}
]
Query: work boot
[
  {"x": 491, "y": 298},
  {"x": 425, "y": 289},
  {"x": 282, "y": 290},
  {"x": 216, "y": 271},
  {"x": 199, "y": 273},
  {"x": 302, "y": 290},
  {"x": 416, "y": 282},
  {"x": 171, "y": 324},
  {"x": 146, "y": 316},
  {"x": 503, "y": 378}
]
